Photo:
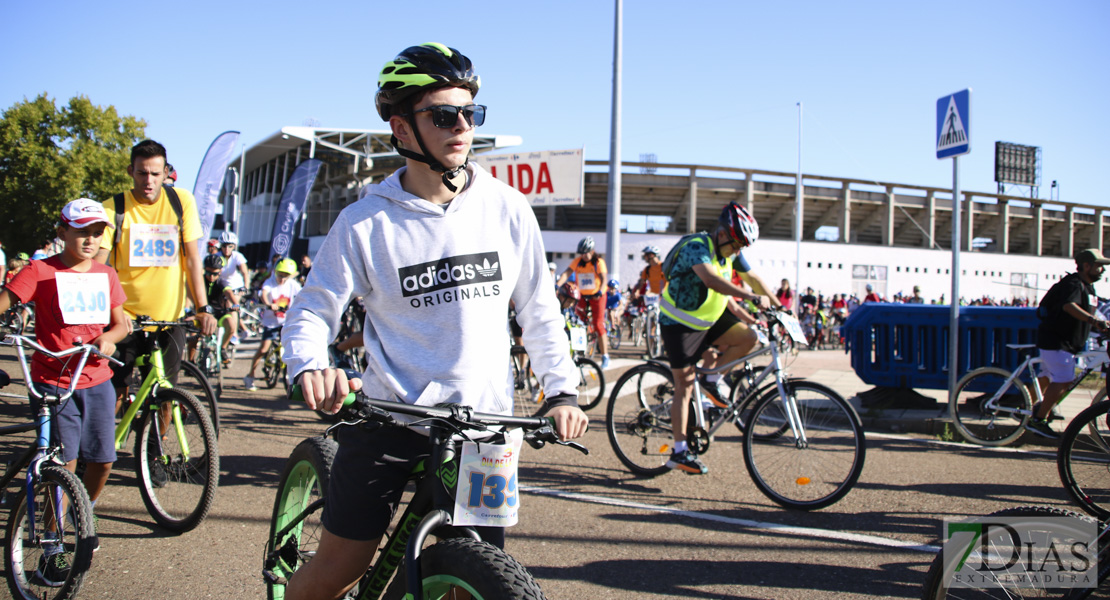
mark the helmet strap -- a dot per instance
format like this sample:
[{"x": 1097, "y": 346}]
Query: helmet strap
[{"x": 427, "y": 158}]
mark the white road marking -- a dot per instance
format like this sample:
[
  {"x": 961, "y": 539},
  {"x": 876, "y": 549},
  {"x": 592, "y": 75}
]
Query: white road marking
[{"x": 806, "y": 532}]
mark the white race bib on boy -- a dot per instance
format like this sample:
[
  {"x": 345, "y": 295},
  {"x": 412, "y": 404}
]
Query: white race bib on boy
[
  {"x": 84, "y": 298},
  {"x": 153, "y": 245},
  {"x": 487, "y": 492}
]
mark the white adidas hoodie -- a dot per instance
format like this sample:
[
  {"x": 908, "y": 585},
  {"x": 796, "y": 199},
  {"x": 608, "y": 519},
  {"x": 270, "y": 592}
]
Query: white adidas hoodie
[{"x": 436, "y": 285}]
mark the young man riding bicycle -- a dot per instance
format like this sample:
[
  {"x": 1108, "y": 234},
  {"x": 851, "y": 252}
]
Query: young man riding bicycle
[
  {"x": 435, "y": 251},
  {"x": 1067, "y": 313},
  {"x": 696, "y": 314}
]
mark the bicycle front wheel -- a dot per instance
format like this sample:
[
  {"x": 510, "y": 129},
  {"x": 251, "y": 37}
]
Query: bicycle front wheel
[
  {"x": 1083, "y": 460},
  {"x": 815, "y": 466},
  {"x": 57, "y": 493},
  {"x": 940, "y": 580},
  {"x": 178, "y": 460},
  {"x": 591, "y": 383},
  {"x": 191, "y": 379},
  {"x": 272, "y": 365},
  {"x": 614, "y": 337},
  {"x": 481, "y": 569},
  {"x": 981, "y": 421},
  {"x": 295, "y": 527},
  {"x": 638, "y": 419},
  {"x": 526, "y": 387}
]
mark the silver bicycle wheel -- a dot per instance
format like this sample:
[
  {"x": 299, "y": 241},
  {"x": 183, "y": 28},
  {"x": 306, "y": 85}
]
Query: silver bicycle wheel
[
  {"x": 811, "y": 472},
  {"x": 982, "y": 421}
]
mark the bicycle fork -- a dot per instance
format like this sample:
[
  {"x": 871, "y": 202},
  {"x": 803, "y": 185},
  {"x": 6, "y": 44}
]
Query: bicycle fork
[
  {"x": 34, "y": 473},
  {"x": 789, "y": 405}
]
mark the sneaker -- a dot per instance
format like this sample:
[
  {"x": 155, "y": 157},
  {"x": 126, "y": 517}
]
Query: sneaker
[
  {"x": 52, "y": 570},
  {"x": 159, "y": 477},
  {"x": 248, "y": 382},
  {"x": 712, "y": 392},
  {"x": 96, "y": 533},
  {"x": 1041, "y": 428},
  {"x": 687, "y": 461},
  {"x": 234, "y": 341},
  {"x": 605, "y": 361}
]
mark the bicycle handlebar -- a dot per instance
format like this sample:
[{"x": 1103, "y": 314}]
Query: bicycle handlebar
[
  {"x": 143, "y": 321},
  {"x": 12, "y": 339},
  {"x": 358, "y": 407}
]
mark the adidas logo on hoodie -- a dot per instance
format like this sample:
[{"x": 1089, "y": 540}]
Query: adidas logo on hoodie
[{"x": 453, "y": 271}]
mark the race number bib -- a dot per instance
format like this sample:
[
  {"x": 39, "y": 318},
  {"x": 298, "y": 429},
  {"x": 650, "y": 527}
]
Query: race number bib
[
  {"x": 578, "y": 339},
  {"x": 83, "y": 298},
  {"x": 651, "y": 299},
  {"x": 487, "y": 492},
  {"x": 153, "y": 245},
  {"x": 587, "y": 281},
  {"x": 793, "y": 328}
]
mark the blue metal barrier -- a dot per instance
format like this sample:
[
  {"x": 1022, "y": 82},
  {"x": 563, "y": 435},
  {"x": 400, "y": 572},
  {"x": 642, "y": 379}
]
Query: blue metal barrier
[{"x": 906, "y": 345}]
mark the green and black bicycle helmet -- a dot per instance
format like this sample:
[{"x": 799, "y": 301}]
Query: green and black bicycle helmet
[
  {"x": 417, "y": 69},
  {"x": 213, "y": 261}
]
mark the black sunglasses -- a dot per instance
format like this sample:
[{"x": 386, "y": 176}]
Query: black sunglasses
[
  {"x": 206, "y": 273},
  {"x": 445, "y": 116}
]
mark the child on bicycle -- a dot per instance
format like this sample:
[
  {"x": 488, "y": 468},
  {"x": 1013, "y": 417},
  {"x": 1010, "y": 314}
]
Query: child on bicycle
[
  {"x": 436, "y": 251},
  {"x": 77, "y": 300},
  {"x": 224, "y": 302},
  {"x": 277, "y": 294}
]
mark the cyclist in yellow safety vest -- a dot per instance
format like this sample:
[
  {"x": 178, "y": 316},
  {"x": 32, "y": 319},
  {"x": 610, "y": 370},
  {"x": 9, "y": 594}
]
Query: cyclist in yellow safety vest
[{"x": 695, "y": 306}]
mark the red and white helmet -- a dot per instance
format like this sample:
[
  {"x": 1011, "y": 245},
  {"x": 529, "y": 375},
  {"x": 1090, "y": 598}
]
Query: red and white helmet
[{"x": 739, "y": 224}]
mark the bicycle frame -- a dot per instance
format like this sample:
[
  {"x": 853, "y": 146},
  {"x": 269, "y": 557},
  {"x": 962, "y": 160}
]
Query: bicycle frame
[
  {"x": 774, "y": 368},
  {"x": 43, "y": 449},
  {"x": 1102, "y": 361},
  {"x": 154, "y": 379}
]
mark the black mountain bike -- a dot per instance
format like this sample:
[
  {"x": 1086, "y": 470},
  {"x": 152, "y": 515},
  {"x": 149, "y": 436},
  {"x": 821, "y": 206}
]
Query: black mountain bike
[{"x": 458, "y": 561}]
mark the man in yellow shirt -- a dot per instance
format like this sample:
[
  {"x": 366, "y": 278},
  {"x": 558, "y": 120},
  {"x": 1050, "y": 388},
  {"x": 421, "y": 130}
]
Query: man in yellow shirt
[{"x": 156, "y": 250}]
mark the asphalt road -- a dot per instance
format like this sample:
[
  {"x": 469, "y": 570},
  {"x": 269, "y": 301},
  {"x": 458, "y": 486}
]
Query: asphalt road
[{"x": 588, "y": 528}]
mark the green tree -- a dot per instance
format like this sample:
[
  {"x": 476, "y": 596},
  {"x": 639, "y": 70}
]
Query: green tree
[{"x": 49, "y": 156}]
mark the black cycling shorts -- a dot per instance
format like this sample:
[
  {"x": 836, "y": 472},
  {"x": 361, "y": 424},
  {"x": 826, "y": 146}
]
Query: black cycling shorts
[
  {"x": 684, "y": 346},
  {"x": 172, "y": 342},
  {"x": 369, "y": 475}
]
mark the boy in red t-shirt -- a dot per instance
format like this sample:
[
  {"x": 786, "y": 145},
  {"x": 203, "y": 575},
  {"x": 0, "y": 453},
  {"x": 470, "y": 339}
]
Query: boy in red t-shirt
[{"x": 60, "y": 287}]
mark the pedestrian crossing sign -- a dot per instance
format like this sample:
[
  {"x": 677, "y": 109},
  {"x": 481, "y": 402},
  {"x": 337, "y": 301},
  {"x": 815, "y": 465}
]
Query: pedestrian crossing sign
[{"x": 954, "y": 124}]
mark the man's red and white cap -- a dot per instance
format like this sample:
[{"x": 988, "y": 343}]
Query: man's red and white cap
[{"x": 83, "y": 212}]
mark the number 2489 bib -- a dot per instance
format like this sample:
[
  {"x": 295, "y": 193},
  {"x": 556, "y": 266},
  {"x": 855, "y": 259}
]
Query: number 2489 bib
[
  {"x": 487, "y": 492},
  {"x": 153, "y": 245}
]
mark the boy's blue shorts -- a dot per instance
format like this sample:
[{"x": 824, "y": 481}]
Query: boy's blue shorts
[{"x": 86, "y": 423}]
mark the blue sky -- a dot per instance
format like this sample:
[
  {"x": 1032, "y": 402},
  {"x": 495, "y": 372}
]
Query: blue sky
[{"x": 711, "y": 82}]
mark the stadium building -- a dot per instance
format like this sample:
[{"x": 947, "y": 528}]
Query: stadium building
[{"x": 855, "y": 232}]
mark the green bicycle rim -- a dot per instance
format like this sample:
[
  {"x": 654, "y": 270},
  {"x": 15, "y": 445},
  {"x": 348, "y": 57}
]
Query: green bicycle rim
[
  {"x": 437, "y": 586},
  {"x": 302, "y": 478}
]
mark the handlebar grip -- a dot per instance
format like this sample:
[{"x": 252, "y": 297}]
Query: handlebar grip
[{"x": 298, "y": 395}]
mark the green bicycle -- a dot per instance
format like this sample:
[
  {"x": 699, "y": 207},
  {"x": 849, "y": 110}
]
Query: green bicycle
[
  {"x": 459, "y": 561},
  {"x": 178, "y": 462},
  {"x": 212, "y": 361}
]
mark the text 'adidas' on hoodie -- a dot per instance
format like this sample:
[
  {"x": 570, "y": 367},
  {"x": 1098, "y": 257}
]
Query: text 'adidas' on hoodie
[{"x": 436, "y": 286}]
